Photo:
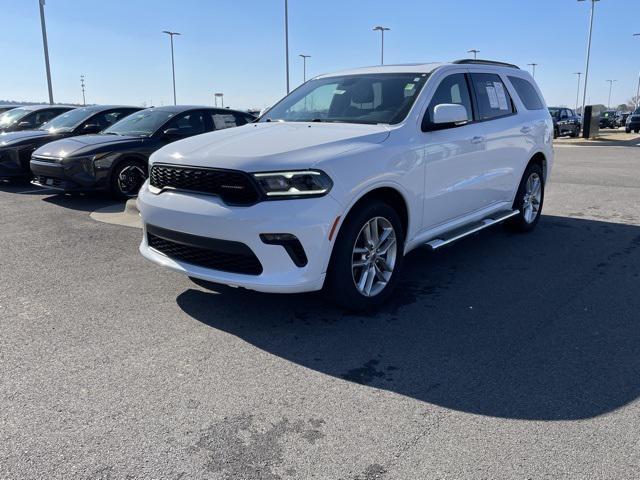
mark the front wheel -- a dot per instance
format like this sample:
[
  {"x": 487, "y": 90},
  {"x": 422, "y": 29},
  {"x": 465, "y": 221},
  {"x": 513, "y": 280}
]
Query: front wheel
[
  {"x": 367, "y": 257},
  {"x": 529, "y": 200},
  {"x": 127, "y": 178}
]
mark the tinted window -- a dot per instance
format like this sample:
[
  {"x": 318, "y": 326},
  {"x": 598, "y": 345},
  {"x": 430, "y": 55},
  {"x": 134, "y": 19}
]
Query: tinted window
[
  {"x": 493, "y": 99},
  {"x": 453, "y": 89},
  {"x": 44, "y": 116},
  {"x": 527, "y": 93},
  {"x": 365, "y": 98},
  {"x": 189, "y": 123},
  {"x": 106, "y": 119},
  {"x": 12, "y": 116}
]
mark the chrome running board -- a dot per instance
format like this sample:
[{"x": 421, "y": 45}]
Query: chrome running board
[{"x": 472, "y": 228}]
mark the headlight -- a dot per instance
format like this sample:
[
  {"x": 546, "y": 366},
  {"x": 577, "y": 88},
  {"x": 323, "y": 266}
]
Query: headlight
[{"x": 301, "y": 183}]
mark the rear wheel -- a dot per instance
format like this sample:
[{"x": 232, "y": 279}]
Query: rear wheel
[
  {"x": 366, "y": 258},
  {"x": 529, "y": 200},
  {"x": 127, "y": 178}
]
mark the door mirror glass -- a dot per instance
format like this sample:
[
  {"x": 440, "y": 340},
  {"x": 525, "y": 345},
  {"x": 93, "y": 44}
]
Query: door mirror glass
[
  {"x": 91, "y": 128},
  {"x": 24, "y": 125},
  {"x": 450, "y": 114},
  {"x": 172, "y": 133}
]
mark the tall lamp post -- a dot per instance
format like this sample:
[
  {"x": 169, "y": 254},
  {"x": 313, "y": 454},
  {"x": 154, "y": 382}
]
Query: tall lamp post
[
  {"x": 286, "y": 39},
  {"x": 533, "y": 68},
  {"x": 611, "y": 82},
  {"x": 381, "y": 29},
  {"x": 638, "y": 90},
  {"x": 304, "y": 66},
  {"x": 475, "y": 53},
  {"x": 586, "y": 70},
  {"x": 578, "y": 93},
  {"x": 46, "y": 51},
  {"x": 173, "y": 66},
  {"x": 84, "y": 101}
]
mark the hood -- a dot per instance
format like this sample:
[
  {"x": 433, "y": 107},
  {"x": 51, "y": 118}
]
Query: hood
[
  {"x": 86, "y": 145},
  {"x": 273, "y": 145},
  {"x": 8, "y": 139}
]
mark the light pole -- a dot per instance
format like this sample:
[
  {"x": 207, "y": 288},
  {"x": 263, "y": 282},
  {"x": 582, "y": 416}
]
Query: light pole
[
  {"x": 46, "y": 51},
  {"x": 638, "y": 90},
  {"x": 475, "y": 53},
  {"x": 304, "y": 66},
  {"x": 173, "y": 66},
  {"x": 578, "y": 94},
  {"x": 286, "y": 39},
  {"x": 586, "y": 71},
  {"x": 610, "y": 88},
  {"x": 533, "y": 66},
  {"x": 381, "y": 29},
  {"x": 84, "y": 102}
]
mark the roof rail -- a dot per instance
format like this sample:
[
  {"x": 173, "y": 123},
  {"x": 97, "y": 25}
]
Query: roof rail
[{"x": 471, "y": 61}]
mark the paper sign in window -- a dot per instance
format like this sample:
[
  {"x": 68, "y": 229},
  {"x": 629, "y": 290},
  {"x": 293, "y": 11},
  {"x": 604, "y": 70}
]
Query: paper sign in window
[
  {"x": 501, "y": 96},
  {"x": 493, "y": 96}
]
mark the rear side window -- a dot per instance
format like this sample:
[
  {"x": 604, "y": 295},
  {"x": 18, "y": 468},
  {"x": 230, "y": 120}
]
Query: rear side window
[
  {"x": 492, "y": 96},
  {"x": 527, "y": 93}
]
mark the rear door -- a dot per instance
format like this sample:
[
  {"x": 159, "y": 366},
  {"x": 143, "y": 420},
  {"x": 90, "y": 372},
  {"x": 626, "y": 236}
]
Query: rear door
[{"x": 505, "y": 142}]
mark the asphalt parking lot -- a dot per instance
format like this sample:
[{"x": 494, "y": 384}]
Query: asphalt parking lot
[{"x": 502, "y": 356}]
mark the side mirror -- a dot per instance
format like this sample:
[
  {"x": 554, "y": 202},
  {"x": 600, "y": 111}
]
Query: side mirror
[
  {"x": 172, "y": 133},
  {"x": 91, "y": 128},
  {"x": 447, "y": 115},
  {"x": 24, "y": 125}
]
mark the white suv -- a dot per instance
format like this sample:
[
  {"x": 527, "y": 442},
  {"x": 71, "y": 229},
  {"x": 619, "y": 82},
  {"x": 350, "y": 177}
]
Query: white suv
[{"x": 333, "y": 185}]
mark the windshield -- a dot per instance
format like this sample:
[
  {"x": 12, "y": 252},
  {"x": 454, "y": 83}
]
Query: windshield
[
  {"x": 68, "y": 121},
  {"x": 555, "y": 112},
  {"x": 370, "y": 98},
  {"x": 12, "y": 116},
  {"x": 140, "y": 124}
]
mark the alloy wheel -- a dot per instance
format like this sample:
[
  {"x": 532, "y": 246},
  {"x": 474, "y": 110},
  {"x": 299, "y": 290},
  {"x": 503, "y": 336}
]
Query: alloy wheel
[
  {"x": 532, "y": 198},
  {"x": 130, "y": 179},
  {"x": 374, "y": 256}
]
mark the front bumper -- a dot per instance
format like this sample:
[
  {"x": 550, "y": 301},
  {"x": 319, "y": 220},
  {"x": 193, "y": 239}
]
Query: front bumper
[
  {"x": 310, "y": 220},
  {"x": 635, "y": 125},
  {"x": 68, "y": 175},
  {"x": 12, "y": 163}
]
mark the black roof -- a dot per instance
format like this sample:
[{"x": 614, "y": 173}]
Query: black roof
[
  {"x": 42, "y": 107},
  {"x": 100, "y": 108},
  {"x": 472, "y": 61},
  {"x": 184, "y": 108}
]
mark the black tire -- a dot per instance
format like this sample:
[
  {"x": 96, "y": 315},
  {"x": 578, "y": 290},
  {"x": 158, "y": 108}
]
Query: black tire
[
  {"x": 636, "y": 131},
  {"x": 628, "y": 130},
  {"x": 555, "y": 133},
  {"x": 135, "y": 173},
  {"x": 340, "y": 284},
  {"x": 519, "y": 223},
  {"x": 576, "y": 132}
]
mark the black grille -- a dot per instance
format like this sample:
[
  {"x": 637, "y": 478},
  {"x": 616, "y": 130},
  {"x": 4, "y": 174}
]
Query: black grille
[
  {"x": 205, "y": 252},
  {"x": 53, "y": 182},
  {"x": 235, "y": 188}
]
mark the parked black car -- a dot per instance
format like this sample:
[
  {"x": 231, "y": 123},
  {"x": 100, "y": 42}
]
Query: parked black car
[
  {"x": 633, "y": 122},
  {"x": 16, "y": 147},
  {"x": 116, "y": 159},
  {"x": 621, "y": 118},
  {"x": 29, "y": 117},
  {"x": 608, "y": 119},
  {"x": 565, "y": 122},
  {"x": 6, "y": 108}
]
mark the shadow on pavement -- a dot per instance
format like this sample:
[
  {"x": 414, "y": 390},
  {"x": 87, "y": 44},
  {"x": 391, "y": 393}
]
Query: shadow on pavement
[
  {"x": 541, "y": 326},
  {"x": 83, "y": 202}
]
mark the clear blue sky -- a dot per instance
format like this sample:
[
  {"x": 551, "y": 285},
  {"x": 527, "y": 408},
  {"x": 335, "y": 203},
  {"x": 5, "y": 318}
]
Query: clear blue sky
[{"x": 237, "y": 46}]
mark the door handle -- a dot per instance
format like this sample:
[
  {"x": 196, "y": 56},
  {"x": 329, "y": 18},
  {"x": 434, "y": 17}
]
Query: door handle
[
  {"x": 526, "y": 130},
  {"x": 477, "y": 140}
]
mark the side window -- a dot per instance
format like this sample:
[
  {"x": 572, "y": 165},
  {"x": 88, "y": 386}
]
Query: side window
[
  {"x": 527, "y": 94},
  {"x": 226, "y": 120},
  {"x": 45, "y": 115},
  {"x": 189, "y": 123},
  {"x": 106, "y": 119},
  {"x": 453, "y": 89},
  {"x": 493, "y": 99}
]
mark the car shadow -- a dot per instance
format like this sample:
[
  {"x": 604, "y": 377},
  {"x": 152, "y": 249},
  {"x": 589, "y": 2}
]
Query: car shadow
[
  {"x": 541, "y": 326},
  {"x": 83, "y": 202}
]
